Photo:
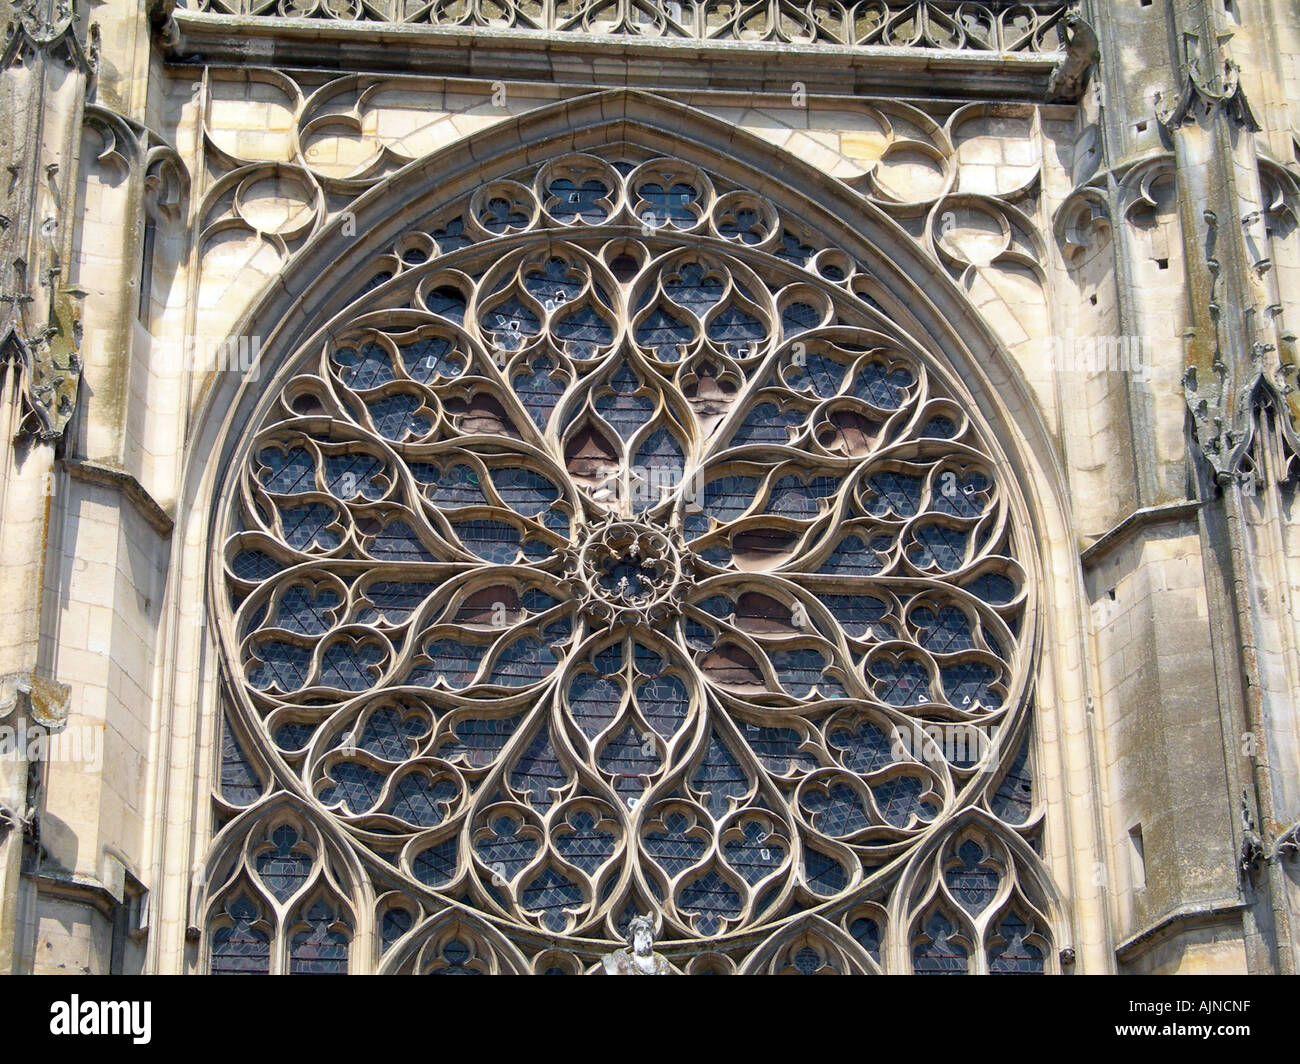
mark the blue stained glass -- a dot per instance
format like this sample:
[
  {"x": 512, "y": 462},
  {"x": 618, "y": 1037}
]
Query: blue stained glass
[
  {"x": 493, "y": 541},
  {"x": 823, "y": 374},
  {"x": 450, "y": 303},
  {"x": 538, "y": 772},
  {"x": 942, "y": 428},
  {"x": 500, "y": 214},
  {"x": 305, "y": 613},
  {"x": 523, "y": 662},
  {"x": 693, "y": 288},
  {"x": 663, "y": 702},
  {"x": 241, "y": 949},
  {"x": 937, "y": 953},
  {"x": 253, "y": 565},
  {"x": 794, "y": 250},
  {"x": 356, "y": 786},
  {"x": 608, "y": 660},
  {"x": 853, "y": 557},
  {"x": 307, "y": 527},
  {"x": 799, "y": 317},
  {"x": 864, "y": 747},
  {"x": 582, "y": 842},
  {"x": 480, "y": 739},
  {"x": 511, "y": 319},
  {"x": 900, "y": 798},
  {"x": 673, "y": 848},
  {"x": 970, "y": 881},
  {"x": 538, "y": 390},
  {"x": 436, "y": 866},
  {"x": 943, "y": 632},
  {"x": 712, "y": 899},
  {"x": 858, "y": 614},
  {"x": 524, "y": 491},
  {"x": 397, "y": 541},
  {"x": 669, "y": 204},
  {"x": 450, "y": 235},
  {"x": 284, "y": 665},
  {"x": 431, "y": 357},
  {"x": 628, "y": 754},
  {"x": 969, "y": 684},
  {"x": 882, "y": 387},
  {"x": 837, "y": 812},
  {"x": 350, "y": 475},
  {"x": 823, "y": 874},
  {"x": 1013, "y": 799},
  {"x": 904, "y": 684},
  {"x": 719, "y": 777},
  {"x": 288, "y": 473},
  {"x": 726, "y": 498},
  {"x": 893, "y": 493},
  {"x": 745, "y": 224},
  {"x": 366, "y": 369},
  {"x": 550, "y": 893},
  {"x": 1014, "y": 955},
  {"x": 777, "y": 748},
  {"x": 455, "y": 960},
  {"x": 584, "y": 330},
  {"x": 240, "y": 784},
  {"x": 798, "y": 671},
  {"x": 790, "y": 497},
  {"x": 574, "y": 202},
  {"x": 319, "y": 950},
  {"x": 284, "y": 868},
  {"x": 993, "y": 588},
  {"x": 454, "y": 659},
  {"x": 756, "y": 854},
  {"x": 394, "y": 600},
  {"x": 593, "y": 703},
  {"x": 395, "y": 923},
  {"x": 422, "y": 802},
  {"x": 766, "y": 424},
  {"x": 507, "y": 850},
  {"x": 866, "y": 932},
  {"x": 294, "y": 735},
  {"x": 555, "y": 282},
  {"x": 733, "y": 325},
  {"x": 664, "y": 334},
  {"x": 622, "y": 408},
  {"x": 961, "y": 496},
  {"x": 388, "y": 736},
  {"x": 535, "y": 601},
  {"x": 648, "y": 662},
  {"x": 663, "y": 461},
  {"x": 456, "y": 485},
  {"x": 938, "y": 546},
  {"x": 351, "y": 667},
  {"x": 394, "y": 417}
]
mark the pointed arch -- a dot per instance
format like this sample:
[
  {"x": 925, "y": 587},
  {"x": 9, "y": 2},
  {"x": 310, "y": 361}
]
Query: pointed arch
[{"x": 896, "y": 279}]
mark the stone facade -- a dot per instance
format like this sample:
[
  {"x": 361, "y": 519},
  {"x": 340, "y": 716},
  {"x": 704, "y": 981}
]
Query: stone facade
[{"x": 1081, "y": 225}]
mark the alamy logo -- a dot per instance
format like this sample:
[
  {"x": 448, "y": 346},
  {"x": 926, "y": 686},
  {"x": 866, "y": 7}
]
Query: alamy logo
[
  {"x": 1103, "y": 354},
  {"x": 77, "y": 1017}
]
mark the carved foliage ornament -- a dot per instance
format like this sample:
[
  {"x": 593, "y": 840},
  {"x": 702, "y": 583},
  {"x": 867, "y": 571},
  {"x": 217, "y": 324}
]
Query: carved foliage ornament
[{"x": 617, "y": 553}]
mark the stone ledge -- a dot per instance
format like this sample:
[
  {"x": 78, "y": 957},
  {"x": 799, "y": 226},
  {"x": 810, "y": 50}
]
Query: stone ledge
[
  {"x": 487, "y": 52},
  {"x": 1115, "y": 537},
  {"x": 1188, "y": 918},
  {"x": 90, "y": 472}
]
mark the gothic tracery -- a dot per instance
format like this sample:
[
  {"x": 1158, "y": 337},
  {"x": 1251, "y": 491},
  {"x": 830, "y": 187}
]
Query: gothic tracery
[{"x": 622, "y": 554}]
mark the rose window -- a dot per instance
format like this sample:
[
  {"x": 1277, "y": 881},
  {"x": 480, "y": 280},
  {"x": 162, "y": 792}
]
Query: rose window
[{"x": 643, "y": 565}]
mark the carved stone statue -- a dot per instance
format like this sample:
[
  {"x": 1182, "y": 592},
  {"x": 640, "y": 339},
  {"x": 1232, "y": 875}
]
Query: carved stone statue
[{"x": 641, "y": 959}]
